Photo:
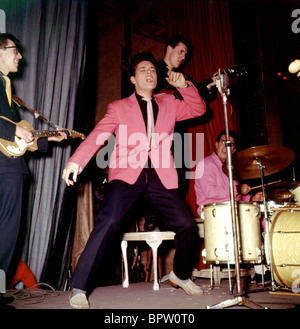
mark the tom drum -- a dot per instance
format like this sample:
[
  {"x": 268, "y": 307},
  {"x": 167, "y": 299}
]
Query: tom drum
[{"x": 218, "y": 234}]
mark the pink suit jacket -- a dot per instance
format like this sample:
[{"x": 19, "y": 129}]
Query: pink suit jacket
[{"x": 125, "y": 120}]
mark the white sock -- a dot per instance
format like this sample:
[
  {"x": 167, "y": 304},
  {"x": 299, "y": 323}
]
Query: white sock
[{"x": 78, "y": 291}]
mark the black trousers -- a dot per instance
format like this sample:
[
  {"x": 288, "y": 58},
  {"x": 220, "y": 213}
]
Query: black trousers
[
  {"x": 11, "y": 193},
  {"x": 118, "y": 199}
]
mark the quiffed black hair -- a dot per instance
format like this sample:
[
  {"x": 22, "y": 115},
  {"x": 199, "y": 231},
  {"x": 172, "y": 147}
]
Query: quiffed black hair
[
  {"x": 173, "y": 42},
  {"x": 140, "y": 57}
]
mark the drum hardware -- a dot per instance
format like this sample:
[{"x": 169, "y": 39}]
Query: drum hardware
[
  {"x": 273, "y": 206},
  {"x": 261, "y": 167}
]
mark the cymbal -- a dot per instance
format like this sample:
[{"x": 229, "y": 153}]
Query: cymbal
[{"x": 274, "y": 158}]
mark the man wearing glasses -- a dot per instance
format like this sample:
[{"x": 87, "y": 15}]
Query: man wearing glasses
[
  {"x": 211, "y": 183},
  {"x": 12, "y": 170}
]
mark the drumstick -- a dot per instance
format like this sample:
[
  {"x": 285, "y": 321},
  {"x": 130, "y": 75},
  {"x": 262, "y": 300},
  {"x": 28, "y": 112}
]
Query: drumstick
[{"x": 258, "y": 186}]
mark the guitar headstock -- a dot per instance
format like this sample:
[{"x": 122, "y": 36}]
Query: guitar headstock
[
  {"x": 237, "y": 70},
  {"x": 75, "y": 134}
]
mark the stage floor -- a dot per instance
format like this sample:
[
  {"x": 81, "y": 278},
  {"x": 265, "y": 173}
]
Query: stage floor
[{"x": 141, "y": 296}]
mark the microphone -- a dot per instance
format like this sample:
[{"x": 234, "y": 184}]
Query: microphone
[{"x": 223, "y": 82}]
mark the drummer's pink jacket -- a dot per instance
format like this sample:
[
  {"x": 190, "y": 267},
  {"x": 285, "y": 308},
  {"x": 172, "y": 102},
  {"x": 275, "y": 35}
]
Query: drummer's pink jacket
[
  {"x": 212, "y": 185},
  {"x": 125, "y": 120}
]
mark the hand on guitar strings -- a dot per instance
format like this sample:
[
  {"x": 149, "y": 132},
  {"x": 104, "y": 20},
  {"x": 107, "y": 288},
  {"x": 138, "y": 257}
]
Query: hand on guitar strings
[
  {"x": 24, "y": 133},
  {"x": 62, "y": 135}
]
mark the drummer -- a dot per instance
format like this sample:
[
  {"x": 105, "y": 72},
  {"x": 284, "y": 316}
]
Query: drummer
[{"x": 212, "y": 184}]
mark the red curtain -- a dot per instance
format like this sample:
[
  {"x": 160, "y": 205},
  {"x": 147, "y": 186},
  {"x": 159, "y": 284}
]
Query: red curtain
[{"x": 206, "y": 24}]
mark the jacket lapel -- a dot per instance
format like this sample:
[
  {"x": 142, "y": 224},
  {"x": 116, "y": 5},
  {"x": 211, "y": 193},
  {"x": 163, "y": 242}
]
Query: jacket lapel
[
  {"x": 161, "y": 113},
  {"x": 136, "y": 116}
]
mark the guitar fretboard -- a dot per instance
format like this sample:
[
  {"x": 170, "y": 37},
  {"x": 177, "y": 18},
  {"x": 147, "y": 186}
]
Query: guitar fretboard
[{"x": 48, "y": 133}]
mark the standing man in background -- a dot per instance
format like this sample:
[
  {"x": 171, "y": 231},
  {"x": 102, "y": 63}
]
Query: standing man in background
[{"x": 178, "y": 50}]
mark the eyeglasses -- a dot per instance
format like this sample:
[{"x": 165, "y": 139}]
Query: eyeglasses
[
  {"x": 16, "y": 49},
  {"x": 223, "y": 142}
]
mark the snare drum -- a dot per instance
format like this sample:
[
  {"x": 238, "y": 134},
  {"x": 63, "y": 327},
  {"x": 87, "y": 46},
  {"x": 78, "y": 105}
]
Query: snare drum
[
  {"x": 218, "y": 234},
  {"x": 284, "y": 236}
]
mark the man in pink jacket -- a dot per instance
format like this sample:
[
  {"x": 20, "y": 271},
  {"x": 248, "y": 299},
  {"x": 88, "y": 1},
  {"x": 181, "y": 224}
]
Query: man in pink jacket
[{"x": 141, "y": 165}]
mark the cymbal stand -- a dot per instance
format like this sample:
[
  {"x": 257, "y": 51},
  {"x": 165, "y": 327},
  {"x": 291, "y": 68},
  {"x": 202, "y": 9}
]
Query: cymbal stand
[
  {"x": 239, "y": 300},
  {"x": 261, "y": 168}
]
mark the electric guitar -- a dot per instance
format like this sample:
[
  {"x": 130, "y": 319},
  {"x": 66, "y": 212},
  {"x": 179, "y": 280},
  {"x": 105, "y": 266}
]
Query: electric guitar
[{"x": 16, "y": 148}]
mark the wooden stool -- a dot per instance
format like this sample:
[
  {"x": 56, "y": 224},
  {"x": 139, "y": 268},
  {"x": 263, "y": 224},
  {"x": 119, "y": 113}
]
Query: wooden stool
[{"x": 153, "y": 239}]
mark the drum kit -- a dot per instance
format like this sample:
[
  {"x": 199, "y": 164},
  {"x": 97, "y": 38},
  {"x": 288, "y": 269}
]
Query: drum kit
[
  {"x": 251, "y": 163},
  {"x": 277, "y": 245}
]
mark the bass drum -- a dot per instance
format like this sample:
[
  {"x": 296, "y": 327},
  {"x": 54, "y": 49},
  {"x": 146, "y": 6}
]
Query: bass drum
[
  {"x": 284, "y": 234},
  {"x": 218, "y": 235}
]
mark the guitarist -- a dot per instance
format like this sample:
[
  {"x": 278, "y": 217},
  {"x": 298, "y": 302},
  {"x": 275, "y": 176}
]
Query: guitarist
[
  {"x": 12, "y": 171},
  {"x": 177, "y": 52}
]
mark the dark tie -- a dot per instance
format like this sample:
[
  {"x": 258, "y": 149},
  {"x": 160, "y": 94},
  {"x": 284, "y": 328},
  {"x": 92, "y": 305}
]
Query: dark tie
[{"x": 151, "y": 141}]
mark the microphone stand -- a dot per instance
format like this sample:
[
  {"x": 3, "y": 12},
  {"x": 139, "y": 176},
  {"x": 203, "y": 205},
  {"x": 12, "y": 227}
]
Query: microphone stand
[{"x": 223, "y": 87}]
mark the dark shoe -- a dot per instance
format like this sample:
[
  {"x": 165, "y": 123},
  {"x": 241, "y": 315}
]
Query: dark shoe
[
  {"x": 5, "y": 300},
  {"x": 150, "y": 223}
]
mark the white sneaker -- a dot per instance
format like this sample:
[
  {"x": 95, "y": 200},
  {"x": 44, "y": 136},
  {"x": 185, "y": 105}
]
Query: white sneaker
[{"x": 79, "y": 301}]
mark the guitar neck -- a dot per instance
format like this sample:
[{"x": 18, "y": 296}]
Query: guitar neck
[
  {"x": 51, "y": 133},
  {"x": 48, "y": 133},
  {"x": 205, "y": 82}
]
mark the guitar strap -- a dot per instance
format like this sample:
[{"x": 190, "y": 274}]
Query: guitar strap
[{"x": 36, "y": 114}]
